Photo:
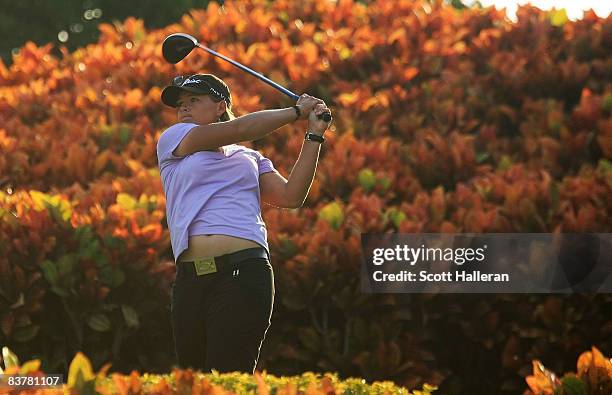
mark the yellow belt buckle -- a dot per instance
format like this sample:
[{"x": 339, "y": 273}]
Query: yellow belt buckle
[{"x": 205, "y": 266}]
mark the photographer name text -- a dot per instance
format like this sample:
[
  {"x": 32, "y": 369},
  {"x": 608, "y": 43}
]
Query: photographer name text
[
  {"x": 425, "y": 276},
  {"x": 411, "y": 256}
]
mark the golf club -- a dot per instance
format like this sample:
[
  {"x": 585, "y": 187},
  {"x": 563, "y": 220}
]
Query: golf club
[{"x": 178, "y": 45}]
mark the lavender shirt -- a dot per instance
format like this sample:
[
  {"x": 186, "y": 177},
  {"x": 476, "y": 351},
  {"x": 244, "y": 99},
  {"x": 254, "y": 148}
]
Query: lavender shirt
[{"x": 211, "y": 192}]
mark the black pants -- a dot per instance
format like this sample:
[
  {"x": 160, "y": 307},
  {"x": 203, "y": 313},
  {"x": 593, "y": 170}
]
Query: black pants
[{"x": 220, "y": 320}]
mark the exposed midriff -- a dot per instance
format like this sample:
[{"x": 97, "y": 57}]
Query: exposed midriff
[{"x": 205, "y": 246}]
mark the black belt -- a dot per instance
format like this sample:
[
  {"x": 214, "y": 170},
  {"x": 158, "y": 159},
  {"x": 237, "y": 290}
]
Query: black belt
[{"x": 223, "y": 263}]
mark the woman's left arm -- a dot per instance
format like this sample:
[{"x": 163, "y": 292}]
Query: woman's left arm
[{"x": 291, "y": 193}]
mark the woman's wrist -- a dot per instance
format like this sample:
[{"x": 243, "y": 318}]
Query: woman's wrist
[
  {"x": 315, "y": 137},
  {"x": 298, "y": 111},
  {"x": 316, "y": 131}
]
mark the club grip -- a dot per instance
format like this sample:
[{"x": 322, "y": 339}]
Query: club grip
[{"x": 326, "y": 116}]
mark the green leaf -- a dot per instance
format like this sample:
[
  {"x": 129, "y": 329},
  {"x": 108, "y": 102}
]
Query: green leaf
[
  {"x": 106, "y": 275},
  {"x": 332, "y": 213},
  {"x": 458, "y": 4},
  {"x": 50, "y": 271},
  {"x": 397, "y": 217},
  {"x": 318, "y": 38},
  {"x": 91, "y": 251},
  {"x": 505, "y": 163},
  {"x": 554, "y": 197},
  {"x": 60, "y": 291},
  {"x": 26, "y": 333},
  {"x": 131, "y": 316},
  {"x": 39, "y": 199},
  {"x": 384, "y": 182},
  {"x": 65, "y": 210},
  {"x": 293, "y": 302},
  {"x": 99, "y": 322},
  {"x": 111, "y": 241},
  {"x": 84, "y": 234},
  {"x": 482, "y": 157},
  {"x": 607, "y": 102},
  {"x": 10, "y": 359},
  {"x": 283, "y": 16},
  {"x": 366, "y": 179},
  {"x": 605, "y": 164},
  {"x": 65, "y": 264},
  {"x": 124, "y": 135},
  {"x": 309, "y": 338},
  {"x": 81, "y": 376},
  {"x": 572, "y": 385},
  {"x": 429, "y": 388},
  {"x": 287, "y": 248},
  {"x": 58, "y": 208},
  {"x": 118, "y": 277}
]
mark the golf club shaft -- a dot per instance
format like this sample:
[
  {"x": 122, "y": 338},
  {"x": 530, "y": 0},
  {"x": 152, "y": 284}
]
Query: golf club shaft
[{"x": 326, "y": 116}]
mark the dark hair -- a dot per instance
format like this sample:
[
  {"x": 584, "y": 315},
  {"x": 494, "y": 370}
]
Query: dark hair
[{"x": 228, "y": 114}]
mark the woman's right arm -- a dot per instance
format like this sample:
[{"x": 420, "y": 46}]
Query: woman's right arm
[{"x": 248, "y": 127}]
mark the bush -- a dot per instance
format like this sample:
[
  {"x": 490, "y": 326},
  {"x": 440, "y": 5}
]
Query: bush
[{"x": 82, "y": 379}]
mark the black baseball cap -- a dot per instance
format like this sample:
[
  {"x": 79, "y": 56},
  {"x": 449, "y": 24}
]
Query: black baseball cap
[{"x": 200, "y": 84}]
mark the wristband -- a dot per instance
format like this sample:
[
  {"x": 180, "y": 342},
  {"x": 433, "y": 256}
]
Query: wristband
[
  {"x": 314, "y": 137},
  {"x": 298, "y": 112}
]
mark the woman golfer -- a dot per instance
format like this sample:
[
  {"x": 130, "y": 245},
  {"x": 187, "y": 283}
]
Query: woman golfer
[{"x": 223, "y": 293}]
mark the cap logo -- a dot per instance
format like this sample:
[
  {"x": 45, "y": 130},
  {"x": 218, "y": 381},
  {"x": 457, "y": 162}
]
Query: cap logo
[{"x": 190, "y": 81}]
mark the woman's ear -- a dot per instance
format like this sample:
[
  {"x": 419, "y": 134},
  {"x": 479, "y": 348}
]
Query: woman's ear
[{"x": 221, "y": 107}]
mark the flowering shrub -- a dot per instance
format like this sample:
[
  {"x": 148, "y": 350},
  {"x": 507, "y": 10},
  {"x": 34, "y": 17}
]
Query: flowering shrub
[
  {"x": 593, "y": 376},
  {"x": 82, "y": 379}
]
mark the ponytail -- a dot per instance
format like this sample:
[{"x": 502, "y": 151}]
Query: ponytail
[{"x": 227, "y": 115}]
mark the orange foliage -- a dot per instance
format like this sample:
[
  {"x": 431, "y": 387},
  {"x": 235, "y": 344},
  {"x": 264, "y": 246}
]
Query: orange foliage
[{"x": 593, "y": 369}]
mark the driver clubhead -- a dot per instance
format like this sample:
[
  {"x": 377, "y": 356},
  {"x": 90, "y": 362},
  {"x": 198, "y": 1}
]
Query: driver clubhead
[{"x": 178, "y": 45}]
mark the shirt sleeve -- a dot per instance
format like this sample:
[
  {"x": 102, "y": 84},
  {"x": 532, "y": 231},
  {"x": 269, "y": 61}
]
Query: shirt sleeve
[
  {"x": 169, "y": 140},
  {"x": 265, "y": 164}
]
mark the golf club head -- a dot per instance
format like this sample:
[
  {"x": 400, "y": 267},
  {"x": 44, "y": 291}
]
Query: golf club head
[{"x": 178, "y": 45}]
